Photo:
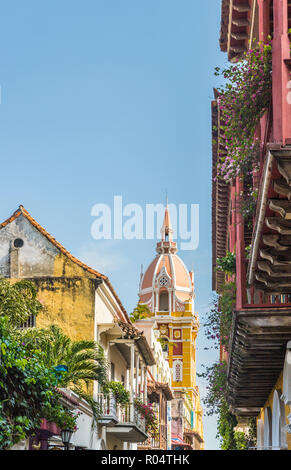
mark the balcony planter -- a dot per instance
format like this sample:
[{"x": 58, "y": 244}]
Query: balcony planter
[{"x": 49, "y": 426}]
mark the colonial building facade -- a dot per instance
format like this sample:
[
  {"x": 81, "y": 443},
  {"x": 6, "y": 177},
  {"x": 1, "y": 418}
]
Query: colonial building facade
[
  {"x": 167, "y": 288},
  {"x": 259, "y": 379},
  {"x": 84, "y": 304}
]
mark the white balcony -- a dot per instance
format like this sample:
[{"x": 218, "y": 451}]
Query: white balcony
[
  {"x": 130, "y": 426},
  {"x": 108, "y": 409}
]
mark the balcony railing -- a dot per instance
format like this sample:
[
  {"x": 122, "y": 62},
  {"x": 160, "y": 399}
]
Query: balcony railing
[
  {"x": 112, "y": 413},
  {"x": 156, "y": 442},
  {"x": 108, "y": 409},
  {"x": 128, "y": 414}
]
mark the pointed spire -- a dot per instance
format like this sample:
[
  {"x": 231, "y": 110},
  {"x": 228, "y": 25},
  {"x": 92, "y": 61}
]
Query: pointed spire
[
  {"x": 167, "y": 245},
  {"x": 167, "y": 230}
]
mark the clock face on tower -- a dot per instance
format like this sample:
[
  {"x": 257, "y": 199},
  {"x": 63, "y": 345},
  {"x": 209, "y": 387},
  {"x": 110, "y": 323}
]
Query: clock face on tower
[{"x": 164, "y": 281}]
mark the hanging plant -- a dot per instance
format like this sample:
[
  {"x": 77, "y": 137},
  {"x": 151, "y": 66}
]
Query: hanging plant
[
  {"x": 227, "y": 263},
  {"x": 242, "y": 102},
  {"x": 117, "y": 389},
  {"x": 62, "y": 417},
  {"x": 148, "y": 414}
]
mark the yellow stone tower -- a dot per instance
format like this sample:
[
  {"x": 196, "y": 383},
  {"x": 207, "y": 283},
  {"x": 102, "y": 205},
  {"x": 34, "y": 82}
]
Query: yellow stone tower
[{"x": 167, "y": 288}]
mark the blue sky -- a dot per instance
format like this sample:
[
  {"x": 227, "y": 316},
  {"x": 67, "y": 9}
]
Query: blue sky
[{"x": 104, "y": 98}]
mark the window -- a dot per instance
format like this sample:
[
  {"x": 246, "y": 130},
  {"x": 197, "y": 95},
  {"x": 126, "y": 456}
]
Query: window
[
  {"x": 18, "y": 243},
  {"x": 164, "y": 281},
  {"x": 177, "y": 371},
  {"x": 164, "y": 302}
]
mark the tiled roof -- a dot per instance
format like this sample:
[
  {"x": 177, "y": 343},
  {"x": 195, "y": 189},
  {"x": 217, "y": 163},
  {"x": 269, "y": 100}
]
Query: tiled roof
[
  {"x": 22, "y": 211},
  {"x": 130, "y": 332}
]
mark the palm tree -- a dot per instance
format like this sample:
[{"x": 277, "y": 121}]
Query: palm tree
[{"x": 84, "y": 359}]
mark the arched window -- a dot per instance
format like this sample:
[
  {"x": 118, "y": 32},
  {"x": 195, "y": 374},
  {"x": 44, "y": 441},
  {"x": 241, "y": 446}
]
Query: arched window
[
  {"x": 268, "y": 428},
  {"x": 164, "y": 302},
  {"x": 177, "y": 371},
  {"x": 278, "y": 423}
]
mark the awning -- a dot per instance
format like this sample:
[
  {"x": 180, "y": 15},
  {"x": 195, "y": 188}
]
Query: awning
[{"x": 177, "y": 441}]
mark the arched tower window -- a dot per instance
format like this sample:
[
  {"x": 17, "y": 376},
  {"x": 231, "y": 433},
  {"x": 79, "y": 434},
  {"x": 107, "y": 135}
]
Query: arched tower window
[
  {"x": 177, "y": 371},
  {"x": 164, "y": 302}
]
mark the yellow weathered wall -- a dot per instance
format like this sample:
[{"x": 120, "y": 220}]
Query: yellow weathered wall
[{"x": 68, "y": 299}]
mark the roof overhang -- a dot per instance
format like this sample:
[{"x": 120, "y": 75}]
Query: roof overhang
[
  {"x": 256, "y": 355},
  {"x": 269, "y": 267},
  {"x": 238, "y": 21}
]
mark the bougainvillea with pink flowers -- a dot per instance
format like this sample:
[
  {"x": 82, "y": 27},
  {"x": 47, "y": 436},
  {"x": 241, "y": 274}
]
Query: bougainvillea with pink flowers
[
  {"x": 242, "y": 102},
  {"x": 148, "y": 414}
]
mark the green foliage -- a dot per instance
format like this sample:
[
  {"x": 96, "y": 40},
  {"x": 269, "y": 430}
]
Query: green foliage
[
  {"x": 219, "y": 319},
  {"x": 241, "y": 440},
  {"x": 243, "y": 101},
  {"x": 62, "y": 417},
  {"x": 216, "y": 388},
  {"x": 147, "y": 412},
  {"x": 18, "y": 301},
  {"x": 27, "y": 388},
  {"x": 225, "y": 427},
  {"x": 117, "y": 389},
  {"x": 227, "y": 263},
  {"x": 84, "y": 359},
  {"x": 140, "y": 312}
]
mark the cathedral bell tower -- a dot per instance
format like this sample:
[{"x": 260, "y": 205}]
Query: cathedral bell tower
[{"x": 167, "y": 288}]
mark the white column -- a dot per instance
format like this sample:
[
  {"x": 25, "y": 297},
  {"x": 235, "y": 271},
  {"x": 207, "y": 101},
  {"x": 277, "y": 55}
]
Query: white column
[
  {"x": 142, "y": 379},
  {"x": 108, "y": 359},
  {"x": 137, "y": 376},
  {"x": 145, "y": 397},
  {"x": 157, "y": 301},
  {"x": 131, "y": 381},
  {"x": 103, "y": 435}
]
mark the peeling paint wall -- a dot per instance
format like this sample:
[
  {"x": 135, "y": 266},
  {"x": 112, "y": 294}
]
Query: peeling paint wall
[{"x": 66, "y": 290}]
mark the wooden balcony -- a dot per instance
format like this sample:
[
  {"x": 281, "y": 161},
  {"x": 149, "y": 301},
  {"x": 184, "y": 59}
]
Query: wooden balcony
[{"x": 256, "y": 355}]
